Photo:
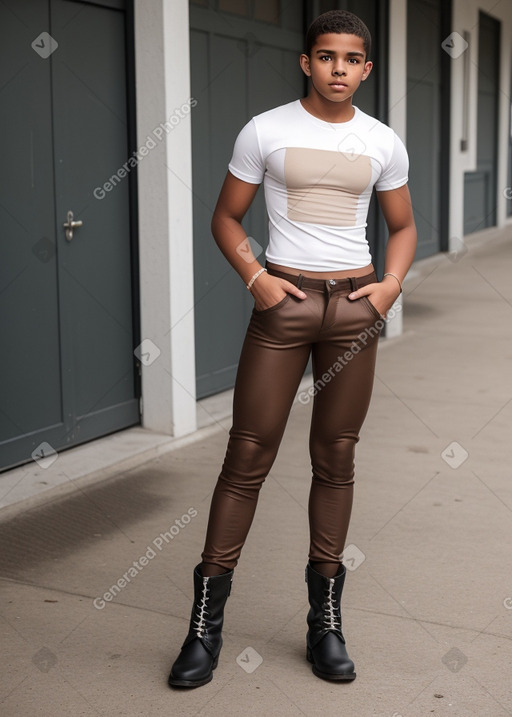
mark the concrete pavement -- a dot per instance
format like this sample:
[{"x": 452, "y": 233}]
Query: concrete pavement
[{"x": 427, "y": 606}]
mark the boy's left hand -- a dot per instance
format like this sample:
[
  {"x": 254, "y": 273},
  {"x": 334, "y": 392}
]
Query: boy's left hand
[{"x": 382, "y": 294}]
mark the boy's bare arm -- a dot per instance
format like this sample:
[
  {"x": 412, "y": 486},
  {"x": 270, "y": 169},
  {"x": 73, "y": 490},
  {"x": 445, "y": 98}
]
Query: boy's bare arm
[
  {"x": 235, "y": 198},
  {"x": 397, "y": 210}
]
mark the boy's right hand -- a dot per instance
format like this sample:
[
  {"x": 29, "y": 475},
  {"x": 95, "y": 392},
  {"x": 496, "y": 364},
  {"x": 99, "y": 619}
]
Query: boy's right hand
[{"x": 269, "y": 290}]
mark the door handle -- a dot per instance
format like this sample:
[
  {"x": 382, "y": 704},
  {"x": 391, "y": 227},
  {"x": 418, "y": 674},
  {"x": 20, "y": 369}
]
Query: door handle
[{"x": 70, "y": 225}]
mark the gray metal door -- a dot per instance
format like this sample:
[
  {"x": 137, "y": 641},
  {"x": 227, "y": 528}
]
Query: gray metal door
[
  {"x": 66, "y": 303},
  {"x": 424, "y": 120},
  {"x": 244, "y": 60},
  {"x": 480, "y": 186}
]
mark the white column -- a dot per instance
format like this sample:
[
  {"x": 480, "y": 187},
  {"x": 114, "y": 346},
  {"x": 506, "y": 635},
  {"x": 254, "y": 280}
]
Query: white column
[
  {"x": 165, "y": 215},
  {"x": 397, "y": 62},
  {"x": 397, "y": 98}
]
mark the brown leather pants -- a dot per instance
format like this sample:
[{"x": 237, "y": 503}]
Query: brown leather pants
[{"x": 342, "y": 336}]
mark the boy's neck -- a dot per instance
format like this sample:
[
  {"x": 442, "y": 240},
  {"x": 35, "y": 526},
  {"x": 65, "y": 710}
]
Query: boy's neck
[{"x": 327, "y": 111}]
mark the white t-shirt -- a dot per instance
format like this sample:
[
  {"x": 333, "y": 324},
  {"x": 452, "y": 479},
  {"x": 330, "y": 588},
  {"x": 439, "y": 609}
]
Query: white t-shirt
[{"x": 318, "y": 179}]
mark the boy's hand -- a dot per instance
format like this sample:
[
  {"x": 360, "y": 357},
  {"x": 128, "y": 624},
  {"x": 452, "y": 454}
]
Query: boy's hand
[
  {"x": 270, "y": 290},
  {"x": 382, "y": 294}
]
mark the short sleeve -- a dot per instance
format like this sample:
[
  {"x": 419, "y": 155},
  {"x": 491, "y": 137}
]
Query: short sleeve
[
  {"x": 247, "y": 162},
  {"x": 395, "y": 174}
]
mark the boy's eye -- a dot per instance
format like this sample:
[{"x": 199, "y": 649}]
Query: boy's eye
[{"x": 352, "y": 60}]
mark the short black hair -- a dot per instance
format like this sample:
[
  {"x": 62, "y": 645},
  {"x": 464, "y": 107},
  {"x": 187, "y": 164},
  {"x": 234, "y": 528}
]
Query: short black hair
[{"x": 338, "y": 21}]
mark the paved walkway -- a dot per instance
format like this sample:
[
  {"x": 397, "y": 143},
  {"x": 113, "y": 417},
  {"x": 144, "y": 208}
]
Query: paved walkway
[{"x": 428, "y": 598}]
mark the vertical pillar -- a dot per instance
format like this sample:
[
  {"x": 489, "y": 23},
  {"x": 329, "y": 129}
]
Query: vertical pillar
[
  {"x": 165, "y": 215},
  {"x": 397, "y": 64}
]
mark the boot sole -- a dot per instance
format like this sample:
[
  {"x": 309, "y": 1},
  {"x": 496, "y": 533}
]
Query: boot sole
[
  {"x": 176, "y": 682},
  {"x": 331, "y": 677}
]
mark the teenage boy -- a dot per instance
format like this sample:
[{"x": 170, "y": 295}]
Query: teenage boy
[{"x": 319, "y": 159}]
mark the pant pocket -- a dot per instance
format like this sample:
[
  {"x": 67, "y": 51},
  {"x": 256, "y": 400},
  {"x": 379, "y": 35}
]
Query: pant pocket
[
  {"x": 372, "y": 308},
  {"x": 277, "y": 306}
]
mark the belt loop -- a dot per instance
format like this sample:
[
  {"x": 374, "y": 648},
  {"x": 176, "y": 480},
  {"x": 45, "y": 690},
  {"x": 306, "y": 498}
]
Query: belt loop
[
  {"x": 299, "y": 281},
  {"x": 353, "y": 283}
]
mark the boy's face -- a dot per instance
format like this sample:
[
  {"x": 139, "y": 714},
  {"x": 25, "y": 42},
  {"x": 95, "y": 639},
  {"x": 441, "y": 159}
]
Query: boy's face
[{"x": 336, "y": 65}]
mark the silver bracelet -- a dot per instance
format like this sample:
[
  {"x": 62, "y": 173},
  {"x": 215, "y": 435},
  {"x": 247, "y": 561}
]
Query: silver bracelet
[
  {"x": 253, "y": 279},
  {"x": 388, "y": 273}
]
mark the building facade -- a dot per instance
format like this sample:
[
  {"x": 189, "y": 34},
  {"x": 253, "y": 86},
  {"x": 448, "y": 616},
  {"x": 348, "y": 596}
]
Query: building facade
[{"x": 117, "y": 307}]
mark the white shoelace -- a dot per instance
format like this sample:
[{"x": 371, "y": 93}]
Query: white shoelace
[
  {"x": 332, "y": 614},
  {"x": 200, "y": 623}
]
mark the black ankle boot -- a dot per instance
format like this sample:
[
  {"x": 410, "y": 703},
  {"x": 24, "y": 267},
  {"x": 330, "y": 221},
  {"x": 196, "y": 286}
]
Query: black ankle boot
[
  {"x": 325, "y": 642},
  {"x": 200, "y": 651}
]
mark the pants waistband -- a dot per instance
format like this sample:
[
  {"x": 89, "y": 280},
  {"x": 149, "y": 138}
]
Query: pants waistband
[{"x": 305, "y": 282}]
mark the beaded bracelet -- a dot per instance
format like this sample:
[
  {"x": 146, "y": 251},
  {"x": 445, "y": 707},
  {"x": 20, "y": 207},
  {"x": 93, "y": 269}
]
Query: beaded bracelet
[{"x": 253, "y": 279}]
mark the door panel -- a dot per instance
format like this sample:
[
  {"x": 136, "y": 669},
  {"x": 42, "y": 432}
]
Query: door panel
[
  {"x": 66, "y": 306},
  {"x": 29, "y": 327},
  {"x": 424, "y": 139},
  {"x": 91, "y": 144},
  {"x": 481, "y": 213},
  {"x": 239, "y": 67}
]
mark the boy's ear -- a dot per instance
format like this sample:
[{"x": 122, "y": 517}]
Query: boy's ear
[
  {"x": 304, "y": 64},
  {"x": 367, "y": 69}
]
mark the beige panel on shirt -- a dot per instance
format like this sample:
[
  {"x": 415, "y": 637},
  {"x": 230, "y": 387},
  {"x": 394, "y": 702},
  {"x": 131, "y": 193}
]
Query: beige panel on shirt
[{"x": 324, "y": 186}]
